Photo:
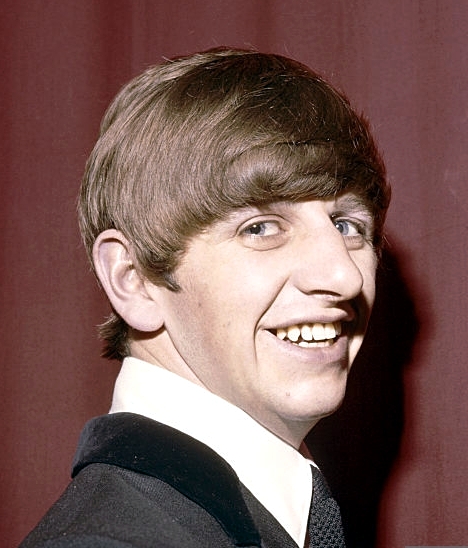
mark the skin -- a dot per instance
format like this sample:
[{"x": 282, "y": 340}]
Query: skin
[{"x": 256, "y": 271}]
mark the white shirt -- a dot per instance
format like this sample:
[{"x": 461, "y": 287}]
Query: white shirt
[{"x": 276, "y": 473}]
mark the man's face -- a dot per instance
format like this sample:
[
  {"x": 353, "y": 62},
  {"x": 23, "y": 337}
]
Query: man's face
[{"x": 273, "y": 307}]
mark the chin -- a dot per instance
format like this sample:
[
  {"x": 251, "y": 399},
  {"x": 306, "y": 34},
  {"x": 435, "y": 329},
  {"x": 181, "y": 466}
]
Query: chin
[
  {"x": 296, "y": 424},
  {"x": 322, "y": 407}
]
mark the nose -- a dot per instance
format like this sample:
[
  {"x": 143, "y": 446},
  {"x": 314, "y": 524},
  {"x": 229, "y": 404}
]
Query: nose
[{"x": 325, "y": 266}]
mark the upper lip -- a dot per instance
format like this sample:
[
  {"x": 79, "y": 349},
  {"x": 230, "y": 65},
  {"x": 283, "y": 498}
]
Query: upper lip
[{"x": 317, "y": 319}]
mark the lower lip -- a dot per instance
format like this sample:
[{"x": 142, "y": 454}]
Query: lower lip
[{"x": 318, "y": 355}]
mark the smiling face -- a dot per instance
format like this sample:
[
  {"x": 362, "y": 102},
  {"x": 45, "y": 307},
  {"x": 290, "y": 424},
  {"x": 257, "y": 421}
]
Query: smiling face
[{"x": 272, "y": 310}]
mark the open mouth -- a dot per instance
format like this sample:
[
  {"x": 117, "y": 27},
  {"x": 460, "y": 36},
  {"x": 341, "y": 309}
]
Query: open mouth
[{"x": 309, "y": 335}]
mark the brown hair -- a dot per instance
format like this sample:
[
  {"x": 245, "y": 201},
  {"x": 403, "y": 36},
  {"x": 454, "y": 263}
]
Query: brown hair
[{"x": 188, "y": 141}]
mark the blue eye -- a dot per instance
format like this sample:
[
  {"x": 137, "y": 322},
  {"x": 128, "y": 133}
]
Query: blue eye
[
  {"x": 262, "y": 228},
  {"x": 347, "y": 228},
  {"x": 263, "y": 235},
  {"x": 258, "y": 229}
]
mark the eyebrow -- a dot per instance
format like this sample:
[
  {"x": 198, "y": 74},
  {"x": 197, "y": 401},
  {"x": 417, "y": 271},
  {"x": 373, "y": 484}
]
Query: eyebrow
[
  {"x": 355, "y": 203},
  {"x": 349, "y": 202}
]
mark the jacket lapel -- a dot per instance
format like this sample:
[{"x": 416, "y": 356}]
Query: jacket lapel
[{"x": 140, "y": 444}]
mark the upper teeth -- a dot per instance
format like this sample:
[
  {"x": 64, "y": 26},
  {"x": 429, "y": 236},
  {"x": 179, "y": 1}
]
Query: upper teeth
[{"x": 310, "y": 332}]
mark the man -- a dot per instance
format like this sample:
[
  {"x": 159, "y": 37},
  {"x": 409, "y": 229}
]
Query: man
[{"x": 233, "y": 209}]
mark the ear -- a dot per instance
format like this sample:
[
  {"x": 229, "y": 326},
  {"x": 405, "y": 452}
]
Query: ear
[{"x": 125, "y": 287}]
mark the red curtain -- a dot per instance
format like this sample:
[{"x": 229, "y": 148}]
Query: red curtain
[{"x": 396, "y": 451}]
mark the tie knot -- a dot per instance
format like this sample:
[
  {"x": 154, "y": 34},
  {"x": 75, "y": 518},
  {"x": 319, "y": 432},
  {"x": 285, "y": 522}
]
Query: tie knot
[{"x": 321, "y": 491}]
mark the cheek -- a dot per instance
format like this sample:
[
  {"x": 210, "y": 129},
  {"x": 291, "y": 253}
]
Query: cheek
[
  {"x": 368, "y": 268},
  {"x": 368, "y": 291},
  {"x": 233, "y": 287},
  {"x": 223, "y": 296},
  {"x": 203, "y": 310}
]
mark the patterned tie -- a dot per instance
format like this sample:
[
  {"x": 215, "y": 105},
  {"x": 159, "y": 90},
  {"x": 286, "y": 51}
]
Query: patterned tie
[{"x": 325, "y": 528}]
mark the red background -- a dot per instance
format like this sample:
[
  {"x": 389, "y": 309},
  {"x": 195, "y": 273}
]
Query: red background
[{"x": 396, "y": 452}]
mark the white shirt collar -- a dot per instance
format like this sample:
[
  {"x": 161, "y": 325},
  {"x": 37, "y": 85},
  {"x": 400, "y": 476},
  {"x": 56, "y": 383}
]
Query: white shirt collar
[{"x": 276, "y": 474}]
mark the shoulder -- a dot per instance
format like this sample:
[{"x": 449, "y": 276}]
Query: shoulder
[
  {"x": 110, "y": 507},
  {"x": 76, "y": 541},
  {"x": 136, "y": 480}
]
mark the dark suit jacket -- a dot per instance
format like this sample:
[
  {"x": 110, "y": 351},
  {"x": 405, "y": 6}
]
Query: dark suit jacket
[{"x": 138, "y": 483}]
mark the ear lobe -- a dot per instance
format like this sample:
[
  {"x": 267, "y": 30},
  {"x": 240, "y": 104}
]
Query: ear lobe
[{"x": 123, "y": 284}]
